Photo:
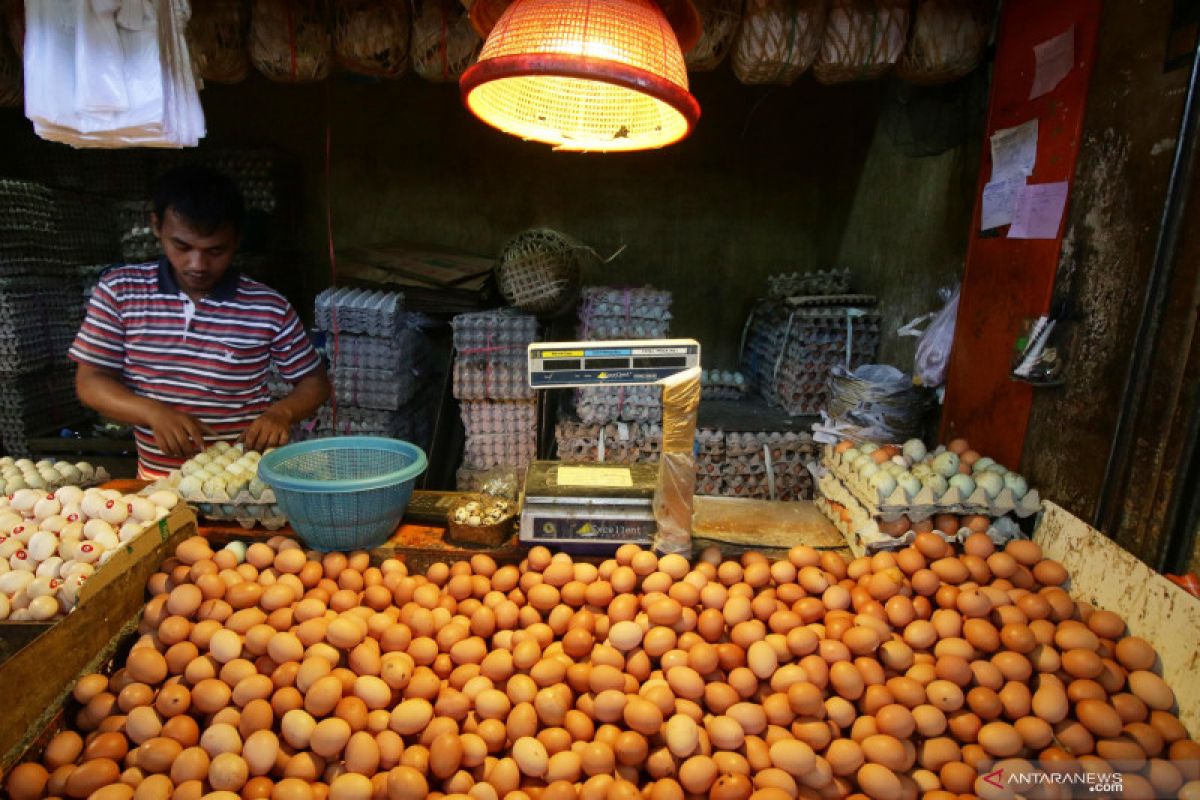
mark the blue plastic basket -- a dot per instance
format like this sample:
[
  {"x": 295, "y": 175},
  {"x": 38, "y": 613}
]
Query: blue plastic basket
[{"x": 344, "y": 493}]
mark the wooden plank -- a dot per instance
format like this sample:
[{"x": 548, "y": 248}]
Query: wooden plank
[
  {"x": 1005, "y": 280},
  {"x": 45, "y": 668},
  {"x": 1110, "y": 577}
]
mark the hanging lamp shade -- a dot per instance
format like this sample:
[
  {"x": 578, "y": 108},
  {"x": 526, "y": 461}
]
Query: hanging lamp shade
[{"x": 597, "y": 75}]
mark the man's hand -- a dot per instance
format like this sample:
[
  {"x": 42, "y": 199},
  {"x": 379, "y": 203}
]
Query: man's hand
[
  {"x": 176, "y": 433},
  {"x": 272, "y": 429}
]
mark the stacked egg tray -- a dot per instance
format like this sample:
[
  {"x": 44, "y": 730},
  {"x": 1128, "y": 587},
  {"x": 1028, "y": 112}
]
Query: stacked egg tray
[
  {"x": 614, "y": 313},
  {"x": 243, "y": 508},
  {"x": 359, "y": 311},
  {"x": 924, "y": 504},
  {"x": 790, "y": 351},
  {"x": 376, "y": 372},
  {"x": 598, "y": 405},
  {"x": 768, "y": 465},
  {"x": 255, "y": 171},
  {"x": 792, "y": 284},
  {"x": 38, "y": 322},
  {"x": 488, "y": 417},
  {"x": 613, "y": 442},
  {"x": 37, "y": 403},
  {"x": 490, "y": 381},
  {"x": 47, "y": 474},
  {"x": 354, "y": 421},
  {"x": 45, "y": 231},
  {"x": 719, "y": 384}
]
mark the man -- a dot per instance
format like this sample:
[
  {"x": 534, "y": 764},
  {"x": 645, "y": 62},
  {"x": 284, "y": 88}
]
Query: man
[{"x": 181, "y": 349}]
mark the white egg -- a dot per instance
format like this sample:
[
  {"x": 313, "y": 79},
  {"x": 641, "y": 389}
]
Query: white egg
[
  {"x": 69, "y": 495},
  {"x": 946, "y": 464},
  {"x": 18, "y": 615},
  {"x": 14, "y": 484},
  {"x": 23, "y": 464},
  {"x": 43, "y": 586},
  {"x": 43, "y": 608},
  {"x": 15, "y": 581},
  {"x": 48, "y": 506},
  {"x": 236, "y": 469},
  {"x": 42, "y": 545},
  {"x": 92, "y": 503},
  {"x": 72, "y": 568},
  {"x": 189, "y": 468},
  {"x": 202, "y": 459},
  {"x": 107, "y": 540},
  {"x": 914, "y": 450},
  {"x": 10, "y": 520},
  {"x": 868, "y": 448},
  {"x": 5, "y": 607},
  {"x": 94, "y": 527},
  {"x": 222, "y": 447},
  {"x": 53, "y": 524},
  {"x": 214, "y": 486},
  {"x": 6, "y": 461},
  {"x": 35, "y": 481},
  {"x": 51, "y": 567},
  {"x": 23, "y": 532},
  {"x": 45, "y": 463},
  {"x": 86, "y": 470},
  {"x": 236, "y": 485},
  {"x": 964, "y": 483},
  {"x": 66, "y": 547},
  {"x": 72, "y": 530},
  {"x": 87, "y": 552},
  {"x": 23, "y": 500},
  {"x": 164, "y": 499},
  {"x": 68, "y": 593},
  {"x": 20, "y": 601},
  {"x": 256, "y": 488},
  {"x": 131, "y": 530},
  {"x": 990, "y": 482},
  {"x": 22, "y": 561},
  {"x": 71, "y": 512},
  {"x": 238, "y": 549},
  {"x": 141, "y": 509},
  {"x": 861, "y": 461},
  {"x": 110, "y": 494}
]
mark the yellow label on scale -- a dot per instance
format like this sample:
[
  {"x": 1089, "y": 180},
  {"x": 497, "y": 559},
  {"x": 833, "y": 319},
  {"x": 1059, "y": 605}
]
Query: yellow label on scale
[{"x": 609, "y": 477}]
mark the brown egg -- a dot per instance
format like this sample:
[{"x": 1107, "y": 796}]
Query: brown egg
[
  {"x": 1151, "y": 690},
  {"x": 878, "y": 782},
  {"x": 1099, "y": 718},
  {"x": 92, "y": 775},
  {"x": 190, "y": 765},
  {"x": 64, "y": 748},
  {"x": 112, "y": 746},
  {"x": 27, "y": 781},
  {"x": 146, "y": 665}
]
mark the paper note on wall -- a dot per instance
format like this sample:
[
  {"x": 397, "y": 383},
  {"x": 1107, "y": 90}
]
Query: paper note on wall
[
  {"x": 999, "y": 203},
  {"x": 1039, "y": 211},
  {"x": 1053, "y": 59},
  {"x": 1014, "y": 151}
]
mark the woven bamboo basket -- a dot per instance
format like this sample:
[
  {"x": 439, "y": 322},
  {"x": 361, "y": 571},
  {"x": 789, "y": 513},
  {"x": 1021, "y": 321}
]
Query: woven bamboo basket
[
  {"x": 371, "y": 37},
  {"x": 777, "y": 40},
  {"x": 216, "y": 36},
  {"x": 947, "y": 40},
  {"x": 863, "y": 39},
  {"x": 720, "y": 19},
  {"x": 493, "y": 535},
  {"x": 540, "y": 270},
  {"x": 444, "y": 43},
  {"x": 290, "y": 40}
]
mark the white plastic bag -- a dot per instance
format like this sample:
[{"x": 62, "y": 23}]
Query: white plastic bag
[{"x": 933, "y": 349}]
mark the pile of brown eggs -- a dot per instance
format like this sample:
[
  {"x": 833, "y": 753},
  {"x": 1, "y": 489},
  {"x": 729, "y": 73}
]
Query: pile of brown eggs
[{"x": 296, "y": 676}]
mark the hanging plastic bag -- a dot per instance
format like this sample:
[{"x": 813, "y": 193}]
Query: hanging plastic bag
[{"x": 933, "y": 349}]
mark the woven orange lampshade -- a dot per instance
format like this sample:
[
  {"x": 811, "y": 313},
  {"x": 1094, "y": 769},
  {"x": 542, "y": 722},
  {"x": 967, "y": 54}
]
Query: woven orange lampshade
[{"x": 596, "y": 75}]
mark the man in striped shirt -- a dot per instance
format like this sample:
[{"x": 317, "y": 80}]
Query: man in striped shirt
[{"x": 181, "y": 349}]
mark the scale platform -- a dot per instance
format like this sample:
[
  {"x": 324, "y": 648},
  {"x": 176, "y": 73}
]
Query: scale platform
[{"x": 588, "y": 508}]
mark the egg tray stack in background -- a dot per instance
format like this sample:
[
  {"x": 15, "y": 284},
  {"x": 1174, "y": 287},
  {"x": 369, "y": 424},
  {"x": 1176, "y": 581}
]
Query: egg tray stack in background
[
  {"x": 613, "y": 442},
  {"x": 377, "y": 353},
  {"x": 718, "y": 384},
  {"x": 874, "y": 519},
  {"x": 46, "y": 235},
  {"x": 496, "y": 403},
  {"x": 791, "y": 342}
]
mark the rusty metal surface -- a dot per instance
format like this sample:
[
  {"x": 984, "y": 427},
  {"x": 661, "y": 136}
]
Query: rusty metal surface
[{"x": 1110, "y": 577}]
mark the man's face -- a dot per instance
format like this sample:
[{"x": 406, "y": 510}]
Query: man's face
[{"x": 198, "y": 260}]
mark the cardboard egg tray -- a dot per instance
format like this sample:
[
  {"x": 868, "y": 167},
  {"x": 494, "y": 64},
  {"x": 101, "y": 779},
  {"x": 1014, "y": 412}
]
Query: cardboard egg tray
[
  {"x": 862, "y": 529},
  {"x": 486, "y": 330},
  {"x": 243, "y": 508},
  {"x": 784, "y": 284},
  {"x": 923, "y": 504},
  {"x": 348, "y": 310}
]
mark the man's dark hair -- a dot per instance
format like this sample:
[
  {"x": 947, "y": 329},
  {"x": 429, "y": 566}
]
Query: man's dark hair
[{"x": 203, "y": 197}]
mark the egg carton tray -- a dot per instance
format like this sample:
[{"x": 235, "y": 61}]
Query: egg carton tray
[
  {"x": 924, "y": 504},
  {"x": 816, "y": 300},
  {"x": 242, "y": 508}
]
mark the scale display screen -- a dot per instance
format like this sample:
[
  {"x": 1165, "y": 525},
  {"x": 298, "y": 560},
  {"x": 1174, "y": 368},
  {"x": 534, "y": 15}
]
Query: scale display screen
[{"x": 567, "y": 364}]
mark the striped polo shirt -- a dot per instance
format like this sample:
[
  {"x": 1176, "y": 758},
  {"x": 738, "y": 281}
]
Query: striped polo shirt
[{"x": 209, "y": 358}]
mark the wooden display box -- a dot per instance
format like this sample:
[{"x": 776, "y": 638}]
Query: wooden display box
[{"x": 45, "y": 658}]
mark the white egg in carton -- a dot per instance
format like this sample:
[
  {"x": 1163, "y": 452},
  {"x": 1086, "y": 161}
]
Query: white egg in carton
[
  {"x": 922, "y": 485},
  {"x": 862, "y": 529},
  {"x": 47, "y": 474},
  {"x": 52, "y": 542},
  {"x": 223, "y": 484}
]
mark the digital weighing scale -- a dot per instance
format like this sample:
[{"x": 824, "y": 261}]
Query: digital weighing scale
[{"x": 597, "y": 507}]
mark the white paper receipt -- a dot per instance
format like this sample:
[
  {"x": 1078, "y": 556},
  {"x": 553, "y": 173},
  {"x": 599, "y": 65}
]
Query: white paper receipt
[{"x": 612, "y": 477}]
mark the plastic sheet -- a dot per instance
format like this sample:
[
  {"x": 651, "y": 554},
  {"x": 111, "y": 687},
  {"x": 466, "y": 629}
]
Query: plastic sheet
[
  {"x": 677, "y": 467},
  {"x": 876, "y": 403},
  {"x": 933, "y": 349}
]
